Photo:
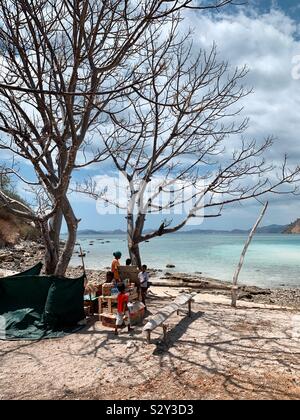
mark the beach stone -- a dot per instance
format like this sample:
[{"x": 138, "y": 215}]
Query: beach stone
[
  {"x": 170, "y": 266},
  {"x": 17, "y": 257},
  {"x": 6, "y": 258},
  {"x": 247, "y": 296},
  {"x": 130, "y": 344}
]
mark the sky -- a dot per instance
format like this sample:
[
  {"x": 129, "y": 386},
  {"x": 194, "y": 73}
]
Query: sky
[{"x": 265, "y": 36}]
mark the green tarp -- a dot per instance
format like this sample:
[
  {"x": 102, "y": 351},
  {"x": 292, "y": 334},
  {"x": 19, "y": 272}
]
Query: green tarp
[
  {"x": 33, "y": 307},
  {"x": 34, "y": 271}
]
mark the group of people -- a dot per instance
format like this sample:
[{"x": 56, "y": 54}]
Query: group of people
[{"x": 122, "y": 302}]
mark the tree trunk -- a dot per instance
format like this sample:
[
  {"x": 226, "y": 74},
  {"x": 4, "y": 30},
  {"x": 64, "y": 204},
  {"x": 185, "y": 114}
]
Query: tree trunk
[
  {"x": 135, "y": 256},
  {"x": 51, "y": 252},
  {"x": 51, "y": 260},
  {"x": 72, "y": 224},
  {"x": 55, "y": 225},
  {"x": 51, "y": 237},
  {"x": 133, "y": 246}
]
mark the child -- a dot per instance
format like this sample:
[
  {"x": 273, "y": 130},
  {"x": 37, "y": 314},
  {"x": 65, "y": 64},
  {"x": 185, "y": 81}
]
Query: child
[
  {"x": 122, "y": 309},
  {"x": 143, "y": 280}
]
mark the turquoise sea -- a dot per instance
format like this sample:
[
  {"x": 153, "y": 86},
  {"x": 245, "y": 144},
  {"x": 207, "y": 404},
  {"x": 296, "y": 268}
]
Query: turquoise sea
[{"x": 272, "y": 260}]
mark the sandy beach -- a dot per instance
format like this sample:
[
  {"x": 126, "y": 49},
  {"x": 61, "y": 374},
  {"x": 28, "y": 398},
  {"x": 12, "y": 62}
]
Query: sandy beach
[{"x": 219, "y": 353}]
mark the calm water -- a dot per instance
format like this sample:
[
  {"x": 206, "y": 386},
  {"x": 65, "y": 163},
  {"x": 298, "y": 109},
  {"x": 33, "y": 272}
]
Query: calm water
[{"x": 271, "y": 261}]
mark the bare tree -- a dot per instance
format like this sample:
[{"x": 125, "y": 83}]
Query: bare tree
[
  {"x": 65, "y": 65},
  {"x": 183, "y": 144},
  {"x": 243, "y": 255}
]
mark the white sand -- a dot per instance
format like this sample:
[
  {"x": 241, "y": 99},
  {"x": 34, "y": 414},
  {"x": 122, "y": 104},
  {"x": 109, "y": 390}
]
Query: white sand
[
  {"x": 251, "y": 352},
  {"x": 5, "y": 273}
]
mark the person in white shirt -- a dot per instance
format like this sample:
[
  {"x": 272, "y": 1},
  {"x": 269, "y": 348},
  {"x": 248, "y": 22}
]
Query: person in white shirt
[{"x": 143, "y": 280}]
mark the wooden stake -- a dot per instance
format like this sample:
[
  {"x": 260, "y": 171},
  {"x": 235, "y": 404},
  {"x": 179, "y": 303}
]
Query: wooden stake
[
  {"x": 165, "y": 330},
  {"x": 82, "y": 259},
  {"x": 239, "y": 267},
  {"x": 190, "y": 308},
  {"x": 84, "y": 272}
]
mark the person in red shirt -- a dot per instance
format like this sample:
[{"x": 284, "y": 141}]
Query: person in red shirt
[{"x": 122, "y": 309}]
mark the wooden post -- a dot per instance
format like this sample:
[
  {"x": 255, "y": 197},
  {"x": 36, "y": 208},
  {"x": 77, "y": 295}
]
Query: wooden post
[
  {"x": 148, "y": 336},
  {"x": 84, "y": 271},
  {"x": 165, "y": 330},
  {"x": 190, "y": 308},
  {"x": 100, "y": 307},
  {"x": 86, "y": 281},
  {"x": 109, "y": 305},
  {"x": 239, "y": 267}
]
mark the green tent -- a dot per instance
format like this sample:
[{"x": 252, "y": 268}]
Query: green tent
[{"x": 34, "y": 307}]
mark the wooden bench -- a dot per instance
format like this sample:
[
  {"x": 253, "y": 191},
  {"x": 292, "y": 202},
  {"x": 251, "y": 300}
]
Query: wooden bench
[{"x": 160, "y": 318}]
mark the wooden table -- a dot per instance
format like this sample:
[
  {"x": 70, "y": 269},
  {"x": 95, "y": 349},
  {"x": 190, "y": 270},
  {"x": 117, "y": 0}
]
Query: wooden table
[{"x": 111, "y": 300}]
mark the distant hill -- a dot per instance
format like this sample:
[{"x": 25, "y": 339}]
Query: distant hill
[
  {"x": 272, "y": 229},
  {"x": 293, "y": 228},
  {"x": 265, "y": 229},
  {"x": 87, "y": 232}
]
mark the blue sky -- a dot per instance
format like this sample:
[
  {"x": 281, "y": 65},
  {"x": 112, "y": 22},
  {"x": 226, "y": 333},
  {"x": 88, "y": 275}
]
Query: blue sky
[
  {"x": 265, "y": 35},
  {"x": 291, "y": 7}
]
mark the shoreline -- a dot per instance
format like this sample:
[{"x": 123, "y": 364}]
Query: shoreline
[{"x": 27, "y": 254}]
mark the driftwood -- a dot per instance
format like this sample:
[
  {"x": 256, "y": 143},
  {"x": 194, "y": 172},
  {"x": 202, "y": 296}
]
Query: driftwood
[
  {"x": 184, "y": 279},
  {"x": 159, "y": 318},
  {"x": 198, "y": 285},
  {"x": 239, "y": 267}
]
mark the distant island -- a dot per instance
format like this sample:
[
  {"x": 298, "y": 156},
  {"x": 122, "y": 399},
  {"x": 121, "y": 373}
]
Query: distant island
[
  {"x": 87, "y": 232},
  {"x": 293, "y": 228}
]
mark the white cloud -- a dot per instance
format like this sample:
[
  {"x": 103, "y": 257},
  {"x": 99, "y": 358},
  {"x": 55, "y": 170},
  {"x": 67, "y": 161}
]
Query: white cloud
[{"x": 266, "y": 44}]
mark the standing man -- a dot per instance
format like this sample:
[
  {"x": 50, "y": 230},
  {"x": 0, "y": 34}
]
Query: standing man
[{"x": 144, "y": 279}]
